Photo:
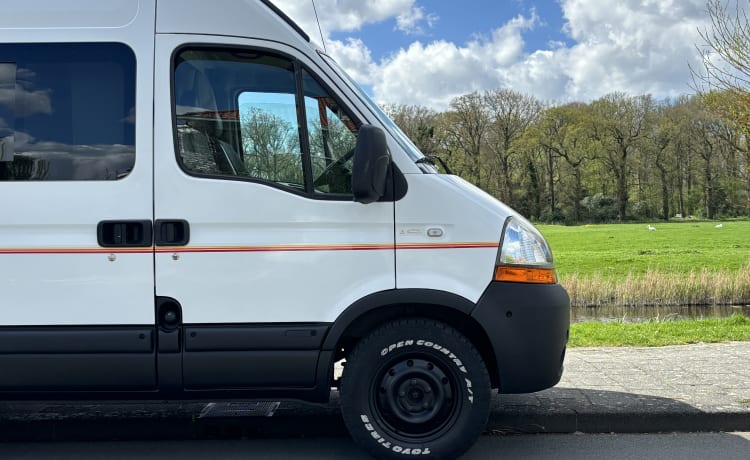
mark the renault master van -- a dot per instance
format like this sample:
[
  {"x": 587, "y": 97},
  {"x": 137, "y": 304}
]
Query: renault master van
[{"x": 196, "y": 203}]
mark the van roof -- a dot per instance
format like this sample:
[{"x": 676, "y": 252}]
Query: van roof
[
  {"x": 250, "y": 18},
  {"x": 287, "y": 19}
]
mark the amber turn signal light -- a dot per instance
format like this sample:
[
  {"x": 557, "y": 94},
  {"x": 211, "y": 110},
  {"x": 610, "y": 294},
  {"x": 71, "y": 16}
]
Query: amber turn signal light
[{"x": 526, "y": 275}]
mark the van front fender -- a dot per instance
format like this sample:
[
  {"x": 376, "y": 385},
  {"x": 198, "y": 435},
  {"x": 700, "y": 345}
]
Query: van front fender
[{"x": 381, "y": 306}]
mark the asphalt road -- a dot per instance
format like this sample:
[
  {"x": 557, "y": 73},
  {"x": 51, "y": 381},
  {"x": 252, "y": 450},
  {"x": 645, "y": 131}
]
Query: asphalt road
[{"x": 682, "y": 446}]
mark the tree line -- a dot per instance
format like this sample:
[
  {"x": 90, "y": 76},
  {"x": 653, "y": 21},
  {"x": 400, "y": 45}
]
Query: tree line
[{"x": 617, "y": 158}]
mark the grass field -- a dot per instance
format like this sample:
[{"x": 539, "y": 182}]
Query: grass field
[
  {"x": 660, "y": 333},
  {"x": 619, "y": 250},
  {"x": 686, "y": 263}
]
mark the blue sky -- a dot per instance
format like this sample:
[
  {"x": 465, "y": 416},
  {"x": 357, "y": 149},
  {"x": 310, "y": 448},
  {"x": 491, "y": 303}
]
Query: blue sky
[
  {"x": 427, "y": 52},
  {"x": 459, "y": 22}
]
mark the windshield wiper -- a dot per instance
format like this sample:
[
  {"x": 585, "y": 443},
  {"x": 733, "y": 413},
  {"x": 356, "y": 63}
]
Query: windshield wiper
[{"x": 434, "y": 160}]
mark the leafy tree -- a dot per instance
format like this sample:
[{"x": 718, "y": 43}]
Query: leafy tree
[
  {"x": 600, "y": 208},
  {"x": 658, "y": 148},
  {"x": 707, "y": 145},
  {"x": 616, "y": 158},
  {"x": 565, "y": 133},
  {"x": 511, "y": 113},
  {"x": 271, "y": 147},
  {"x": 619, "y": 126}
]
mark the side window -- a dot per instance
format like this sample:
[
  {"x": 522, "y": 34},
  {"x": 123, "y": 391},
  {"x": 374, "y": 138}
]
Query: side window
[
  {"x": 236, "y": 115},
  {"x": 241, "y": 113},
  {"x": 270, "y": 137},
  {"x": 67, "y": 111},
  {"x": 333, "y": 136}
]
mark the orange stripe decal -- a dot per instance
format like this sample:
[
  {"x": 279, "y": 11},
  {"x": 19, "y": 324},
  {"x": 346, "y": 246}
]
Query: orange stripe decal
[
  {"x": 276, "y": 248},
  {"x": 476, "y": 245},
  {"x": 145, "y": 250},
  {"x": 240, "y": 249}
]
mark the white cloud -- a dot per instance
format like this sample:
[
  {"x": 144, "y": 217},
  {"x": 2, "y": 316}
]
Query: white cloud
[
  {"x": 354, "y": 56},
  {"x": 435, "y": 73},
  {"x": 431, "y": 75},
  {"x": 342, "y": 15},
  {"x": 411, "y": 22},
  {"x": 634, "y": 46},
  {"x": 629, "y": 45},
  {"x": 17, "y": 94}
]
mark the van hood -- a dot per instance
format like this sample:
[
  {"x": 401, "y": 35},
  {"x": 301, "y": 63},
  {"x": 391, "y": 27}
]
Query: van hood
[{"x": 478, "y": 196}]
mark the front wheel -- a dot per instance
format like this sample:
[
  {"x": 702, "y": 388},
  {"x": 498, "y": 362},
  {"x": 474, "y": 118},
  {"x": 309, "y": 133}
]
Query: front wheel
[{"x": 415, "y": 387}]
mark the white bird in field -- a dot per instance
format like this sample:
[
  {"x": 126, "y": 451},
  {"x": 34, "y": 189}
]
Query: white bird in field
[
  {"x": 719, "y": 226},
  {"x": 651, "y": 228}
]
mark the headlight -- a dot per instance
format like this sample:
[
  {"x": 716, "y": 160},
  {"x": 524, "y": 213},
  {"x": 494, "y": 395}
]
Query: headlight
[{"x": 524, "y": 256}]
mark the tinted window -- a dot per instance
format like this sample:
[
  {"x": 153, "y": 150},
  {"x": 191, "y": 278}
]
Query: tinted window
[
  {"x": 333, "y": 136},
  {"x": 270, "y": 137},
  {"x": 238, "y": 114},
  {"x": 67, "y": 111}
]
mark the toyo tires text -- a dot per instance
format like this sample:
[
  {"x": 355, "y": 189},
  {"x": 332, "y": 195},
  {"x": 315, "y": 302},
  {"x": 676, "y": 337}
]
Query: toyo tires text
[{"x": 415, "y": 387}]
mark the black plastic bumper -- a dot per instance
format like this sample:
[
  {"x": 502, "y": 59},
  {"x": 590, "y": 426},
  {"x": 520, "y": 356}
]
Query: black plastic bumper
[{"x": 528, "y": 326}]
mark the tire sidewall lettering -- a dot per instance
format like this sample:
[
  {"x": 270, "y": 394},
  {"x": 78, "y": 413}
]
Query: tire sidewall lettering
[
  {"x": 435, "y": 347},
  {"x": 427, "y": 344},
  {"x": 390, "y": 348},
  {"x": 389, "y": 445}
]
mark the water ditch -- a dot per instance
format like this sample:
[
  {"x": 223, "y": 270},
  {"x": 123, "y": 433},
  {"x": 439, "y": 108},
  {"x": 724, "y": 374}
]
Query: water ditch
[{"x": 636, "y": 314}]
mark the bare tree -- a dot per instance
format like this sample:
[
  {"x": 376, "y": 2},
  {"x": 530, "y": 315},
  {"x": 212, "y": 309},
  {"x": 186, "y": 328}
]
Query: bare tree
[
  {"x": 725, "y": 75},
  {"x": 511, "y": 115},
  {"x": 466, "y": 133},
  {"x": 419, "y": 123}
]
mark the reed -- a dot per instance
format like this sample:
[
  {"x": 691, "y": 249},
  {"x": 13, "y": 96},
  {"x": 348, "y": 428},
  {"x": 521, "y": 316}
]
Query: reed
[{"x": 655, "y": 287}]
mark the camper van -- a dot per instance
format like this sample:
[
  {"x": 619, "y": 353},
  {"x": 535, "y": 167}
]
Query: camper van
[{"x": 196, "y": 203}]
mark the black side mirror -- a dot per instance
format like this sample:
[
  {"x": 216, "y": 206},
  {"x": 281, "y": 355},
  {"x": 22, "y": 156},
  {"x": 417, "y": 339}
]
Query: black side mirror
[{"x": 370, "y": 166}]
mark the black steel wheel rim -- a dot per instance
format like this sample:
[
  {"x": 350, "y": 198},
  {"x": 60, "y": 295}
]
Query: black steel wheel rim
[{"x": 416, "y": 397}]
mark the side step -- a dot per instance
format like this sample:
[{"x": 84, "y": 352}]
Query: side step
[{"x": 239, "y": 409}]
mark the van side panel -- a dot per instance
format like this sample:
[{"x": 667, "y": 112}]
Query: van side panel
[
  {"x": 449, "y": 251},
  {"x": 53, "y": 270},
  {"x": 264, "y": 253},
  {"x": 77, "y": 304},
  {"x": 259, "y": 252}
]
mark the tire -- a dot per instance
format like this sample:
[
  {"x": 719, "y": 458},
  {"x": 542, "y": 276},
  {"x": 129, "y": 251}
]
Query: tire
[{"x": 415, "y": 387}]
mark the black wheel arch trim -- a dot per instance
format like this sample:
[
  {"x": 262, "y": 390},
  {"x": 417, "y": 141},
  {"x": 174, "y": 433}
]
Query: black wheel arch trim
[
  {"x": 393, "y": 298},
  {"x": 358, "y": 320}
]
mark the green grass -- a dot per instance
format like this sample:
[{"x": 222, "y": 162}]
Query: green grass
[
  {"x": 680, "y": 263},
  {"x": 660, "y": 333},
  {"x": 617, "y": 250}
]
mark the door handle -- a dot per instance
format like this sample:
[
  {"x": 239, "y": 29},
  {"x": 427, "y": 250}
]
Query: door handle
[
  {"x": 171, "y": 232},
  {"x": 124, "y": 233}
]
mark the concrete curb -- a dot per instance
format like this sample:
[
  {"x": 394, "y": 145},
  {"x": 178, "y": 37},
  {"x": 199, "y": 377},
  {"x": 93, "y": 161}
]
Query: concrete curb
[{"x": 152, "y": 421}]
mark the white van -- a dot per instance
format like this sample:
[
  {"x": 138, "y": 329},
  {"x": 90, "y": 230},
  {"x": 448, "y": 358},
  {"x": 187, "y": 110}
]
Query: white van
[{"x": 195, "y": 203}]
